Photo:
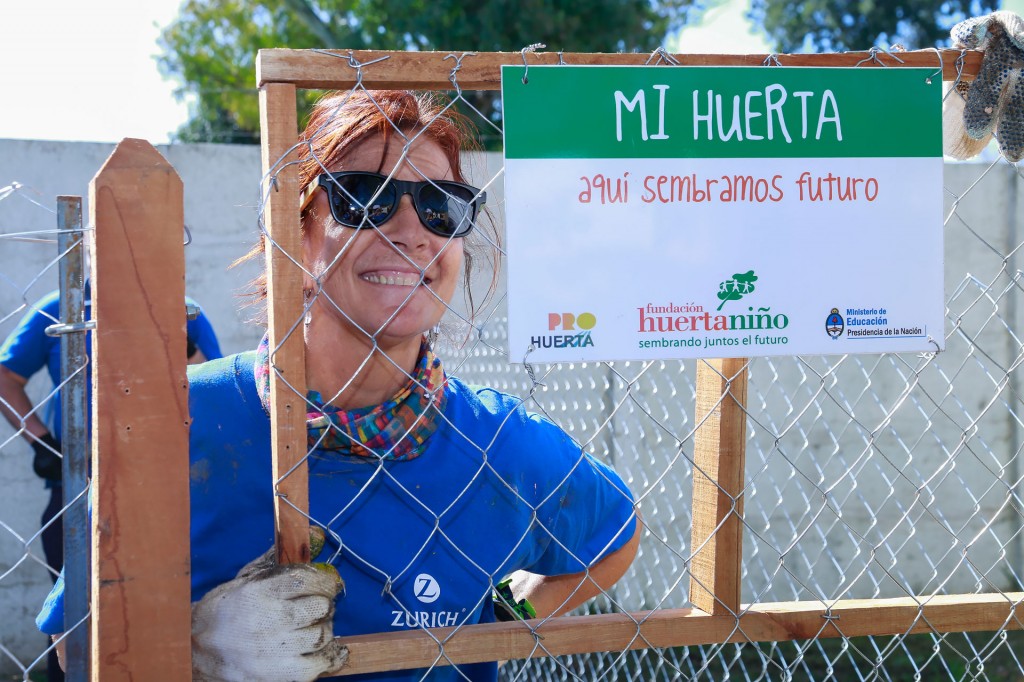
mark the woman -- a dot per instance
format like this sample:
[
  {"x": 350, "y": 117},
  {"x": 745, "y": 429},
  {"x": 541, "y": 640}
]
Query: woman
[{"x": 428, "y": 492}]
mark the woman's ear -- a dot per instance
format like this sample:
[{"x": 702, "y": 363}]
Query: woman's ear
[
  {"x": 308, "y": 284},
  {"x": 312, "y": 235}
]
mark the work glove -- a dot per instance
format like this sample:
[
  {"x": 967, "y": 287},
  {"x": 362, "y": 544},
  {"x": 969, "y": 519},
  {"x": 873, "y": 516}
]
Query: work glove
[
  {"x": 271, "y": 623},
  {"x": 46, "y": 460},
  {"x": 994, "y": 102}
]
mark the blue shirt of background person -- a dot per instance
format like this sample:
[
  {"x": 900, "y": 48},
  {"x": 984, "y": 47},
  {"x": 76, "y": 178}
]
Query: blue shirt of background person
[{"x": 28, "y": 349}]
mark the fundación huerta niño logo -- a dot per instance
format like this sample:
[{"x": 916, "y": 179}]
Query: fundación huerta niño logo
[
  {"x": 692, "y": 317},
  {"x": 741, "y": 284}
]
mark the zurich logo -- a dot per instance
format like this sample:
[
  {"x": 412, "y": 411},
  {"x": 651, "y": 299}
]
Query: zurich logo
[{"x": 426, "y": 588}]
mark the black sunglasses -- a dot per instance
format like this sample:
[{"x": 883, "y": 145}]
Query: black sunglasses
[{"x": 361, "y": 199}]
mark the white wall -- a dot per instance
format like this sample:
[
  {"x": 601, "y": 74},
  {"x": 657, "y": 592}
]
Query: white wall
[
  {"x": 221, "y": 195},
  {"x": 221, "y": 184}
]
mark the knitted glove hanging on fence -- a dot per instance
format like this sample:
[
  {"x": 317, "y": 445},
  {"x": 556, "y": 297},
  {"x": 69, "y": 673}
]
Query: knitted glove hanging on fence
[
  {"x": 271, "y": 623},
  {"x": 994, "y": 102}
]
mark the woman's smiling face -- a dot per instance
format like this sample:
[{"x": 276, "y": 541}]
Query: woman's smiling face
[{"x": 394, "y": 282}]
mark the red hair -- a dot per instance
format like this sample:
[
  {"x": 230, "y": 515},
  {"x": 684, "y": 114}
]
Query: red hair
[{"x": 340, "y": 121}]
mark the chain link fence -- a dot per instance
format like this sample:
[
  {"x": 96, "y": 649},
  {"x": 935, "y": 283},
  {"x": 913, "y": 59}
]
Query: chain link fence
[
  {"x": 43, "y": 399},
  {"x": 220, "y": 224},
  {"x": 874, "y": 477},
  {"x": 868, "y": 477}
]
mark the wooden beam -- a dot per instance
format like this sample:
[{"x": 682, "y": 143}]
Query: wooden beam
[
  {"x": 333, "y": 69},
  {"x": 283, "y": 242},
  {"x": 774, "y": 622},
  {"x": 141, "y": 622},
  {"x": 719, "y": 462}
]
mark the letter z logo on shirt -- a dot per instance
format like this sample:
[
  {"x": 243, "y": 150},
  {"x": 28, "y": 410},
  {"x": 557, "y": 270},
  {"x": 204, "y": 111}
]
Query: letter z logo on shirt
[{"x": 426, "y": 588}]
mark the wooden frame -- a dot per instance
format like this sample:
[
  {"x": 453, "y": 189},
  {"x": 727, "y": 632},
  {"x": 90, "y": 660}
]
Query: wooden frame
[
  {"x": 720, "y": 411},
  {"x": 284, "y": 308},
  {"x": 769, "y": 622},
  {"x": 719, "y": 467},
  {"x": 336, "y": 69}
]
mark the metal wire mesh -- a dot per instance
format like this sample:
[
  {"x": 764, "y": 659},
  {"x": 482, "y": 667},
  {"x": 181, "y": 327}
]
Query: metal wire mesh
[
  {"x": 43, "y": 393},
  {"x": 867, "y": 477}
]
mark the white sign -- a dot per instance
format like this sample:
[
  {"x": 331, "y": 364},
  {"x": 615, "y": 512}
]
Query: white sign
[{"x": 722, "y": 212}]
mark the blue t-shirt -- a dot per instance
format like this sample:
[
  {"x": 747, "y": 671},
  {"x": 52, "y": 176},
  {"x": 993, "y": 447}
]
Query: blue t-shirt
[
  {"x": 28, "y": 349},
  {"x": 419, "y": 543}
]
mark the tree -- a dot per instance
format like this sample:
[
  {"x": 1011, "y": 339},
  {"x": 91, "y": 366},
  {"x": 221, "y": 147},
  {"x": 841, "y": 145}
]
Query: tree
[
  {"x": 211, "y": 47},
  {"x": 838, "y": 25}
]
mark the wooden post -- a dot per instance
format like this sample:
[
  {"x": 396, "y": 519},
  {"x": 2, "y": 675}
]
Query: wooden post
[
  {"x": 719, "y": 456},
  {"x": 283, "y": 241},
  {"x": 141, "y": 619}
]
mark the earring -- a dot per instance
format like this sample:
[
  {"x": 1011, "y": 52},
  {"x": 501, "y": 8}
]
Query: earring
[{"x": 306, "y": 293}]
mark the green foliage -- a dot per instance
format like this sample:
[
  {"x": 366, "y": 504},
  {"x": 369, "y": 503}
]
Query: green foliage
[
  {"x": 211, "y": 47},
  {"x": 741, "y": 284},
  {"x": 838, "y": 25}
]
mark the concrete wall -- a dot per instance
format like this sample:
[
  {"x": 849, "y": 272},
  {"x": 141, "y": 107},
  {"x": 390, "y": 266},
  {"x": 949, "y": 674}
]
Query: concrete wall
[
  {"x": 221, "y": 194},
  {"x": 221, "y": 198},
  {"x": 813, "y": 526}
]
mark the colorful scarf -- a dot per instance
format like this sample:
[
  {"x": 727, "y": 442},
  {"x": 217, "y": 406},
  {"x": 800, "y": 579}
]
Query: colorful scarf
[{"x": 396, "y": 430}]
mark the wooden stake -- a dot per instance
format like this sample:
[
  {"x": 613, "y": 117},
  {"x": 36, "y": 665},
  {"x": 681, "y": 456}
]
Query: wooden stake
[
  {"x": 719, "y": 459},
  {"x": 141, "y": 619},
  {"x": 283, "y": 242}
]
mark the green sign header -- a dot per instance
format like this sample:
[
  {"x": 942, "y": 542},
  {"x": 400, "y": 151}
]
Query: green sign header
[{"x": 657, "y": 112}]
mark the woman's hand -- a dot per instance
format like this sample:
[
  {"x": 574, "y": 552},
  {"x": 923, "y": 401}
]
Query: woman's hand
[
  {"x": 559, "y": 594},
  {"x": 270, "y": 623}
]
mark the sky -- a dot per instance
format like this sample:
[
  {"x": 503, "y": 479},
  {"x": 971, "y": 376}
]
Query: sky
[{"x": 85, "y": 70}]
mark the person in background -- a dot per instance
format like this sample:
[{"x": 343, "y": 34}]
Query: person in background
[{"x": 26, "y": 351}]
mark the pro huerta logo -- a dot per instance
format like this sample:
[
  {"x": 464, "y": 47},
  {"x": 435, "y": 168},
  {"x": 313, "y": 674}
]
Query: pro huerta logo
[{"x": 692, "y": 317}]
